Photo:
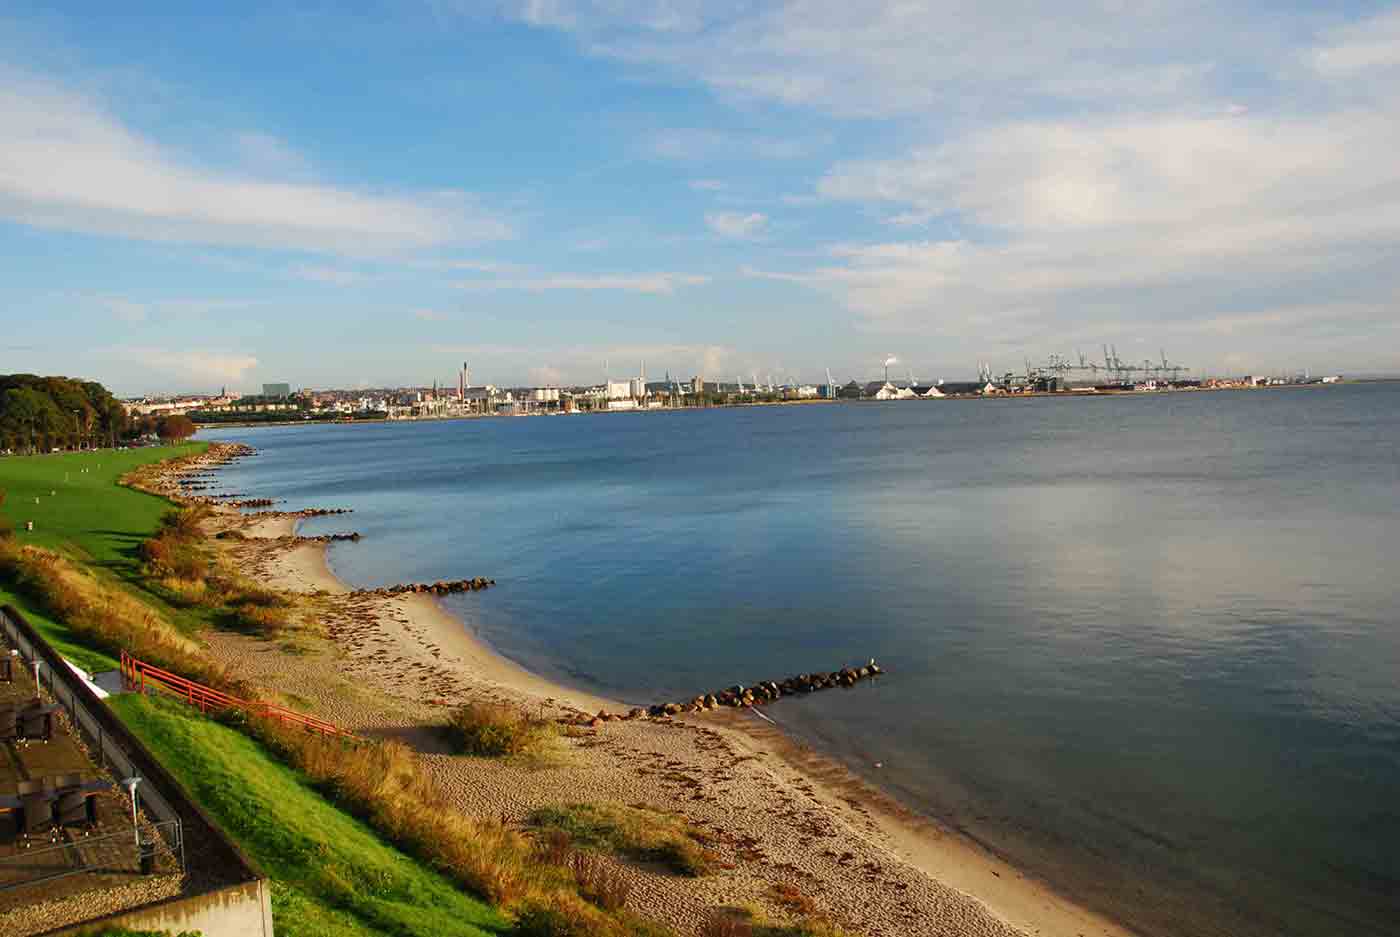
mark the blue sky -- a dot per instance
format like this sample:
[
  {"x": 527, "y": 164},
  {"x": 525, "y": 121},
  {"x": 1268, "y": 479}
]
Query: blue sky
[{"x": 372, "y": 193}]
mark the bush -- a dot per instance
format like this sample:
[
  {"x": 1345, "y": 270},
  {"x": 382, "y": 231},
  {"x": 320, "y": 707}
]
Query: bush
[
  {"x": 494, "y": 730},
  {"x": 558, "y": 919},
  {"x": 600, "y": 883},
  {"x": 637, "y": 832},
  {"x": 725, "y": 922},
  {"x": 264, "y": 620}
]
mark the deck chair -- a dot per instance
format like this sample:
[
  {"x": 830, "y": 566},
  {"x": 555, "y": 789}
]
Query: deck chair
[
  {"x": 7, "y": 669},
  {"x": 36, "y": 724},
  {"x": 36, "y": 818},
  {"x": 9, "y": 723},
  {"x": 77, "y": 808}
]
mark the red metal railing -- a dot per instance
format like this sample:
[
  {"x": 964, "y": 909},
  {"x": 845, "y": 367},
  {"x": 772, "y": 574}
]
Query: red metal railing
[{"x": 137, "y": 675}]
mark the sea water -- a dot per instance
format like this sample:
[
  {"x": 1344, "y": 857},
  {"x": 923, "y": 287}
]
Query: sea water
[{"x": 1146, "y": 647}]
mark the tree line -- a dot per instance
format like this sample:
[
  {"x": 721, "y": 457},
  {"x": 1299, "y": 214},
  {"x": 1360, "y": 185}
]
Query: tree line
[{"x": 42, "y": 413}]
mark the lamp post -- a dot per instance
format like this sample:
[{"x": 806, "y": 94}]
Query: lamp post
[{"x": 130, "y": 785}]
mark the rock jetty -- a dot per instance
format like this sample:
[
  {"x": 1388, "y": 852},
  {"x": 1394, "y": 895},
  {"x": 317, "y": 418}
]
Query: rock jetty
[
  {"x": 304, "y": 512},
  {"x": 441, "y": 587},
  {"x": 249, "y": 503},
  {"x": 739, "y": 696}
]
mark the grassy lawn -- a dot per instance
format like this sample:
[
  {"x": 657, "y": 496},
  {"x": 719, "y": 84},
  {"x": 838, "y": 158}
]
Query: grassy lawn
[
  {"x": 333, "y": 876},
  {"x": 83, "y": 512}
]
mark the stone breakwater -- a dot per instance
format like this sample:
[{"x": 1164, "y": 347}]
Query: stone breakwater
[
  {"x": 176, "y": 479},
  {"x": 292, "y": 539},
  {"x": 441, "y": 587},
  {"x": 739, "y": 696},
  {"x": 304, "y": 512}
]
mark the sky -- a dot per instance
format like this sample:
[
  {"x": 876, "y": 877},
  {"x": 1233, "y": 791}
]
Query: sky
[{"x": 370, "y": 194}]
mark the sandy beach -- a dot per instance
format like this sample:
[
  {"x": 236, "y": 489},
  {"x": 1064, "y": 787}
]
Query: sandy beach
[{"x": 782, "y": 814}]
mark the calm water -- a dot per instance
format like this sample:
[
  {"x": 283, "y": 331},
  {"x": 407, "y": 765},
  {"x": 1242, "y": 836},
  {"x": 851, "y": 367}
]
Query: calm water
[{"x": 1147, "y": 647}]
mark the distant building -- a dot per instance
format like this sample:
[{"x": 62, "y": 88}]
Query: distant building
[
  {"x": 639, "y": 387},
  {"x": 277, "y": 390},
  {"x": 619, "y": 390}
]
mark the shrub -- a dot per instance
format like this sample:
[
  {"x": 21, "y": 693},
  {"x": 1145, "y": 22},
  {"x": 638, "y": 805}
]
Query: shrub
[
  {"x": 268, "y": 621},
  {"x": 560, "y": 918},
  {"x": 637, "y": 832},
  {"x": 494, "y": 729},
  {"x": 599, "y": 882},
  {"x": 383, "y": 783},
  {"x": 726, "y": 922}
]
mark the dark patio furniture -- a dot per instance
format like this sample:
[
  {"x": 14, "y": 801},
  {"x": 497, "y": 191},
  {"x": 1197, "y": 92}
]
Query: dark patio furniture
[
  {"x": 9, "y": 723},
  {"x": 36, "y": 817},
  {"x": 36, "y": 724},
  {"x": 7, "y": 669}
]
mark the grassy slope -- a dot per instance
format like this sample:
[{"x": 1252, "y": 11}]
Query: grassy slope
[
  {"x": 90, "y": 517},
  {"x": 331, "y": 876},
  {"x": 334, "y": 876}
]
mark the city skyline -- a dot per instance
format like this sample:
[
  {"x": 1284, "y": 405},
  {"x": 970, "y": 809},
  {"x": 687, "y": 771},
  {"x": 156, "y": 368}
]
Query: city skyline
[{"x": 368, "y": 197}]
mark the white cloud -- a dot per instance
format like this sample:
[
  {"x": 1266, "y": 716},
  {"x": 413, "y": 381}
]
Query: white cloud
[
  {"x": 630, "y": 283},
  {"x": 707, "y": 185},
  {"x": 1358, "y": 47},
  {"x": 471, "y": 266},
  {"x": 583, "y": 363},
  {"x": 185, "y": 363},
  {"x": 736, "y": 224},
  {"x": 429, "y": 315},
  {"x": 692, "y": 144},
  {"x": 335, "y": 276},
  {"x": 883, "y": 57},
  {"x": 545, "y": 376},
  {"x": 66, "y": 163}
]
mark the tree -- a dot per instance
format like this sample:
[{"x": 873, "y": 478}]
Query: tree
[{"x": 175, "y": 428}]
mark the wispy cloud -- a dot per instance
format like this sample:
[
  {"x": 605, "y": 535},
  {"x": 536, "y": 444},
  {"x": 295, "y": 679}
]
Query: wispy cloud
[
  {"x": 696, "y": 144},
  {"x": 584, "y": 363},
  {"x": 430, "y": 315},
  {"x": 1370, "y": 45},
  {"x": 708, "y": 185},
  {"x": 334, "y": 276},
  {"x": 111, "y": 180},
  {"x": 652, "y": 283},
  {"x": 736, "y": 225},
  {"x": 185, "y": 363}
]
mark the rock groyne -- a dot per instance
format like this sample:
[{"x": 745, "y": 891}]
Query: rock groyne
[
  {"x": 441, "y": 587},
  {"x": 739, "y": 696}
]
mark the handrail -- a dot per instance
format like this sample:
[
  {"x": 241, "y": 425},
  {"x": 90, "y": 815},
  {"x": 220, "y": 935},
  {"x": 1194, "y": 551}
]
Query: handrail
[{"x": 136, "y": 673}]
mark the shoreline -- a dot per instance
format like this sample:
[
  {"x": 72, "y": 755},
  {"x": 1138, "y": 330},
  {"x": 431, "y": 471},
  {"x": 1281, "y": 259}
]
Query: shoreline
[
  {"x": 945, "y": 855},
  {"x": 394, "y": 662},
  {"x": 1073, "y": 394}
]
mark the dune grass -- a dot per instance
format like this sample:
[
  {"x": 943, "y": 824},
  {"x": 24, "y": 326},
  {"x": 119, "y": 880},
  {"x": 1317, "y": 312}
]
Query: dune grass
[
  {"x": 635, "y": 832},
  {"x": 494, "y": 730},
  {"x": 333, "y": 875}
]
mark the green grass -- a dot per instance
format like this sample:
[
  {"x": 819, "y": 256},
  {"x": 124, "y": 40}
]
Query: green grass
[
  {"x": 333, "y": 876},
  {"x": 92, "y": 519},
  {"x": 90, "y": 516}
]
